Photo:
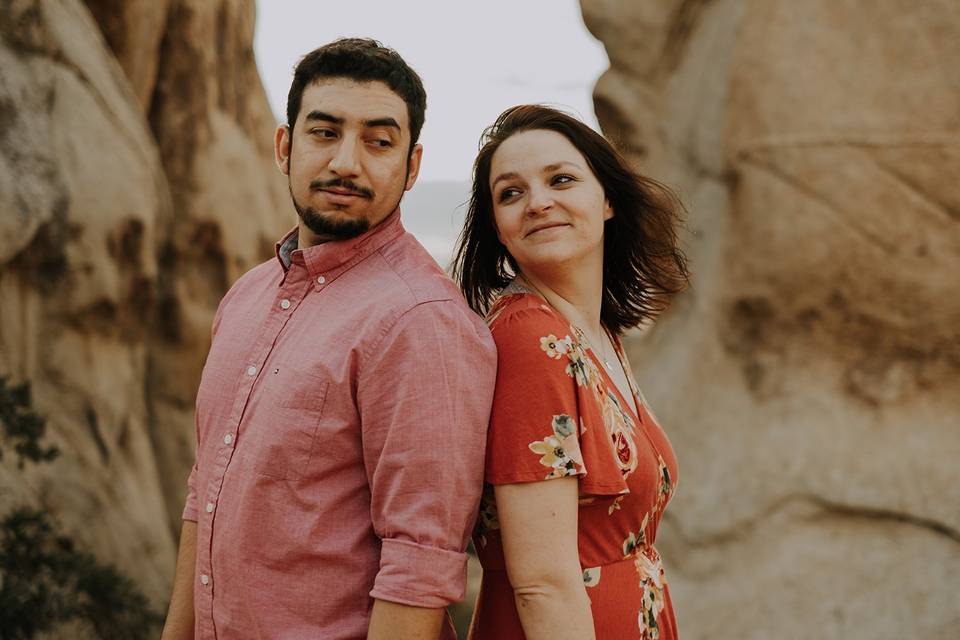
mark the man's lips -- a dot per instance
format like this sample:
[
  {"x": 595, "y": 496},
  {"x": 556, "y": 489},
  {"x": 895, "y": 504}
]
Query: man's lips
[
  {"x": 544, "y": 227},
  {"x": 343, "y": 193}
]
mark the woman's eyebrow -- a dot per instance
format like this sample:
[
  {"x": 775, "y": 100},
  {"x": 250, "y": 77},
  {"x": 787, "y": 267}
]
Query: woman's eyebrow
[
  {"x": 509, "y": 175},
  {"x": 559, "y": 165}
]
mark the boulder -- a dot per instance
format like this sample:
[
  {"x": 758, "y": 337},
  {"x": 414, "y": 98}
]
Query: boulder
[
  {"x": 136, "y": 184},
  {"x": 816, "y": 145}
]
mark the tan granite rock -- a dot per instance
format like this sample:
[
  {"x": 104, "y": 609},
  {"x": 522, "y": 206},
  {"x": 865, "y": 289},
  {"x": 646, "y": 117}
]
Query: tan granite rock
[
  {"x": 135, "y": 187},
  {"x": 809, "y": 380},
  {"x": 211, "y": 119},
  {"x": 83, "y": 196},
  {"x": 134, "y": 29}
]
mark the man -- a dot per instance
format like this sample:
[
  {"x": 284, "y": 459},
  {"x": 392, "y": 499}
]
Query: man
[{"x": 342, "y": 413}]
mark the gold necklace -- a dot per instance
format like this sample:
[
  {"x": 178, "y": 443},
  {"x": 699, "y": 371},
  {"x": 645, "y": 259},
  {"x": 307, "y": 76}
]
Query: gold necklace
[{"x": 600, "y": 353}]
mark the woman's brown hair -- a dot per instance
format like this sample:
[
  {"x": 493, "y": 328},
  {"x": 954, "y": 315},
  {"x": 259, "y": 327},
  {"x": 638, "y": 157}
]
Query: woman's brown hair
[{"x": 643, "y": 265}]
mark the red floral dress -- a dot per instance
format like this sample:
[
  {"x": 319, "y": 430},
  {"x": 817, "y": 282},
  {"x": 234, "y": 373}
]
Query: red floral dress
[{"x": 557, "y": 413}]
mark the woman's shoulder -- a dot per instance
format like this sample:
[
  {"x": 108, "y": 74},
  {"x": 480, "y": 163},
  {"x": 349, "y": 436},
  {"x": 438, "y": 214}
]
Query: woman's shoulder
[{"x": 522, "y": 311}]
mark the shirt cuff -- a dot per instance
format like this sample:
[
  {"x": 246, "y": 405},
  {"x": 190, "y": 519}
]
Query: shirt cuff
[
  {"x": 420, "y": 575},
  {"x": 190, "y": 504},
  {"x": 190, "y": 511}
]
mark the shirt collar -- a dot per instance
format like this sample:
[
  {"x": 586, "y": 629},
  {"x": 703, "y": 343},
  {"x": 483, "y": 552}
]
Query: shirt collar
[{"x": 336, "y": 256}]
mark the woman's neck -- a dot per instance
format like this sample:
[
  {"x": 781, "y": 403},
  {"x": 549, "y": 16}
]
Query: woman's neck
[{"x": 576, "y": 293}]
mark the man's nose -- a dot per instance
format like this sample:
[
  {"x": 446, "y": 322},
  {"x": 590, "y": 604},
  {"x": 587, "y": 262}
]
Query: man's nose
[{"x": 345, "y": 162}]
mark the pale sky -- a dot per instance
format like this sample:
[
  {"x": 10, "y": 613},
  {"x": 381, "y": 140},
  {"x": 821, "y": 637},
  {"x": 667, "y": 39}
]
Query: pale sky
[{"x": 475, "y": 59}]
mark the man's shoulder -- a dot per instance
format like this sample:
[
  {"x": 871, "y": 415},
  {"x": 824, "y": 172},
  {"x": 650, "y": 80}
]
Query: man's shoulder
[
  {"x": 254, "y": 279},
  {"x": 417, "y": 276},
  {"x": 418, "y": 281}
]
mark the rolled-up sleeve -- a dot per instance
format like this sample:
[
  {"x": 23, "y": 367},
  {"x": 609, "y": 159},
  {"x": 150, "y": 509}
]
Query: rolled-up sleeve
[
  {"x": 424, "y": 395},
  {"x": 190, "y": 504}
]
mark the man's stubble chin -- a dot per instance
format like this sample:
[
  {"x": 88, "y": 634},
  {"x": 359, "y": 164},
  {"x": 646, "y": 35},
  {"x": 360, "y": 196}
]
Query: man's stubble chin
[{"x": 326, "y": 225}]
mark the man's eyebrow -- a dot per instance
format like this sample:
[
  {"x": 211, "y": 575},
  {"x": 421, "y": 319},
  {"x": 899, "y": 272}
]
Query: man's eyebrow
[
  {"x": 381, "y": 122},
  {"x": 323, "y": 117}
]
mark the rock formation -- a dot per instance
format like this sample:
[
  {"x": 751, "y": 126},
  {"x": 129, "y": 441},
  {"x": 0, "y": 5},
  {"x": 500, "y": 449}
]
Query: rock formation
[
  {"x": 810, "y": 379},
  {"x": 136, "y": 183}
]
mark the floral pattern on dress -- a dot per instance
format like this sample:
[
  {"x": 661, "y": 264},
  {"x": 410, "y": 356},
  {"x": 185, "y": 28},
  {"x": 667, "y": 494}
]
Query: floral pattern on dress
[
  {"x": 487, "y": 519},
  {"x": 591, "y": 576},
  {"x": 647, "y": 561},
  {"x": 620, "y": 427},
  {"x": 652, "y": 583},
  {"x": 561, "y": 451},
  {"x": 541, "y": 435},
  {"x": 554, "y": 347},
  {"x": 637, "y": 540},
  {"x": 615, "y": 505}
]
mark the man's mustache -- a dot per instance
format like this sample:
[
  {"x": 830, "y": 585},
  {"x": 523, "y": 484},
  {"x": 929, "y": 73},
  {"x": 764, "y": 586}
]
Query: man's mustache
[{"x": 340, "y": 183}]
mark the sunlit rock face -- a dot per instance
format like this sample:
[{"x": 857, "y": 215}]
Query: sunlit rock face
[
  {"x": 134, "y": 188},
  {"x": 810, "y": 379}
]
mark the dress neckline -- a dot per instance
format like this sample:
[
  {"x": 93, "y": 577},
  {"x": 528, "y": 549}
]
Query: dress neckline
[{"x": 515, "y": 288}]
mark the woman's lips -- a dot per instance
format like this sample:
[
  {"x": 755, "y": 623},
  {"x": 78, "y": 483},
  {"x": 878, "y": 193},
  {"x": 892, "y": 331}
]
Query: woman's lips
[{"x": 546, "y": 227}]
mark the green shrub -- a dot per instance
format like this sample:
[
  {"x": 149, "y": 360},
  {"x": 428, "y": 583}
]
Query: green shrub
[{"x": 44, "y": 580}]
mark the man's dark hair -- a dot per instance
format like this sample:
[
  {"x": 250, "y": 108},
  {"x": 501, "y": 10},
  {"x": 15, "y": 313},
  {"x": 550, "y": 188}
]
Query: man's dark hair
[
  {"x": 360, "y": 60},
  {"x": 643, "y": 266}
]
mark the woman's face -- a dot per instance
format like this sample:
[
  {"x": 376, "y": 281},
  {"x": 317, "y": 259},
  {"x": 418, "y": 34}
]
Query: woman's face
[{"x": 548, "y": 207}]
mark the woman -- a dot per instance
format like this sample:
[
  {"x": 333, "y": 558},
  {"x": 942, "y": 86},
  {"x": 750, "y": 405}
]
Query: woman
[{"x": 564, "y": 248}]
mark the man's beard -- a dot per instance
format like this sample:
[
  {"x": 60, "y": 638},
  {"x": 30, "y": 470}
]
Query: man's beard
[{"x": 324, "y": 225}]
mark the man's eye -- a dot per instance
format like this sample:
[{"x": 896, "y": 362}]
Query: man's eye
[
  {"x": 382, "y": 143},
  {"x": 323, "y": 133}
]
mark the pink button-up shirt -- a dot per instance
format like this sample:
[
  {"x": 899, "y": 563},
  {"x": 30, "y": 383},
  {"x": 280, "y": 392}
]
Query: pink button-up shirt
[{"x": 341, "y": 426}]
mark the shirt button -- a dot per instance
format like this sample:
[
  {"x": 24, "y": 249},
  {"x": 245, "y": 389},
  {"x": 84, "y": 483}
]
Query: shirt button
[
  {"x": 227, "y": 439},
  {"x": 321, "y": 279},
  {"x": 204, "y": 579},
  {"x": 209, "y": 507},
  {"x": 251, "y": 370},
  {"x": 285, "y": 304}
]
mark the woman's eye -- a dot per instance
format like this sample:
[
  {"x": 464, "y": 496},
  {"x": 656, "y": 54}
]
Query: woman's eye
[
  {"x": 507, "y": 193},
  {"x": 562, "y": 178}
]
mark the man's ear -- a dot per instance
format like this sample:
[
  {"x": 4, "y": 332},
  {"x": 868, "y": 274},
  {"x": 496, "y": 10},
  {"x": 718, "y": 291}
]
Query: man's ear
[
  {"x": 281, "y": 148},
  {"x": 413, "y": 166}
]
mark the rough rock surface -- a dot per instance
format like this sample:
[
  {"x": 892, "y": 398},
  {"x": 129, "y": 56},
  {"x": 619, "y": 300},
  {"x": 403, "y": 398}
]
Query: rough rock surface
[
  {"x": 134, "y": 188},
  {"x": 810, "y": 380}
]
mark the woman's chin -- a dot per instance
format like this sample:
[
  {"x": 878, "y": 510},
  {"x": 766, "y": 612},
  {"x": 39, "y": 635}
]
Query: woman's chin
[{"x": 547, "y": 259}]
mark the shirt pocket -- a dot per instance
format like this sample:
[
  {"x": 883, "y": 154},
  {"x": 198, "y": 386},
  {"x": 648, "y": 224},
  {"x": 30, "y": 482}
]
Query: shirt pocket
[{"x": 287, "y": 425}]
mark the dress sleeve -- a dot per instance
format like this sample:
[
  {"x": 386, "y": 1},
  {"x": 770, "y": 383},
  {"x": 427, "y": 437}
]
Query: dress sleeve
[{"x": 545, "y": 421}]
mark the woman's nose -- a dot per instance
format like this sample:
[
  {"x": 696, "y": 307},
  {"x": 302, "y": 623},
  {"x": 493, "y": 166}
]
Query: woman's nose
[{"x": 539, "y": 201}]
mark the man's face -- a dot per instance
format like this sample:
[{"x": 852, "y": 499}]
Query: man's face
[{"x": 347, "y": 158}]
